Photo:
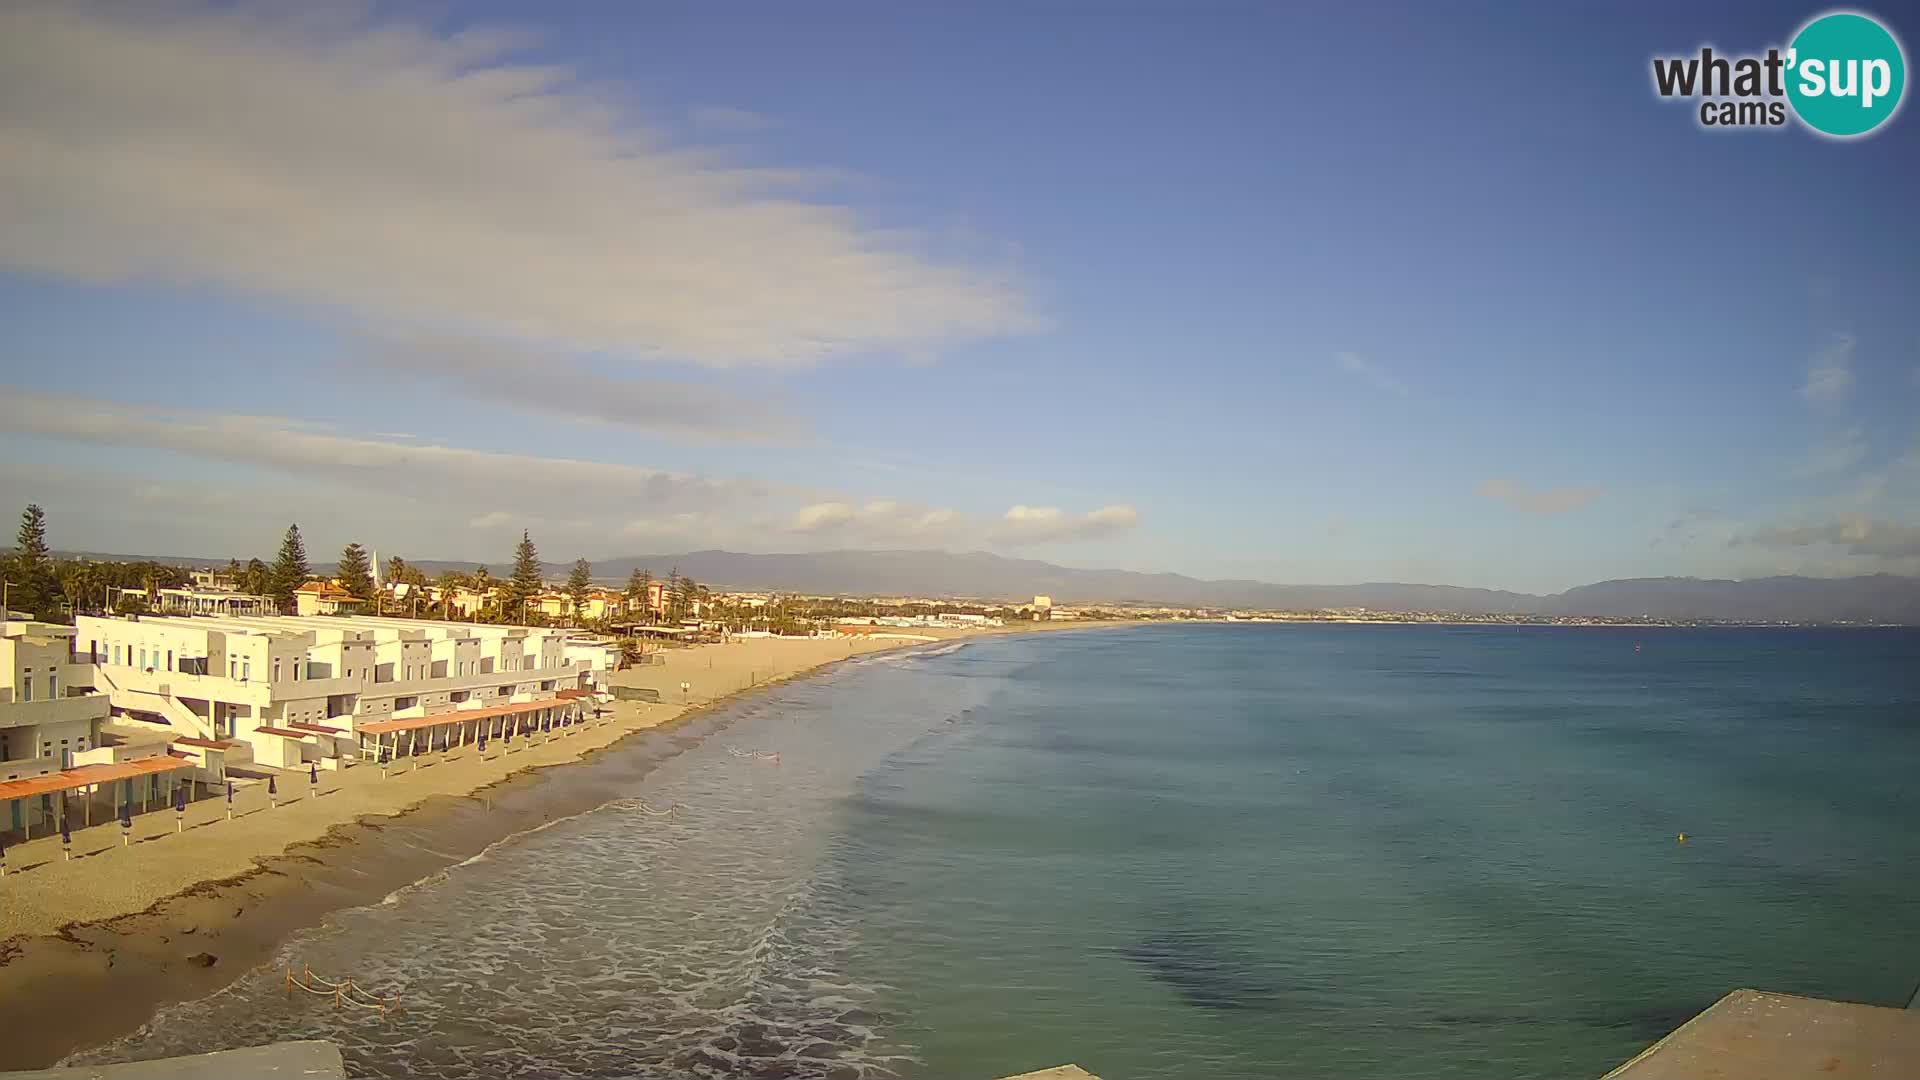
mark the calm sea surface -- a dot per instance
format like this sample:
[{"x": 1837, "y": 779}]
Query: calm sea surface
[{"x": 1223, "y": 851}]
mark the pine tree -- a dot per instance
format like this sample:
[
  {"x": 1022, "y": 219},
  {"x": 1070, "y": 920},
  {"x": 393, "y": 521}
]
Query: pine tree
[
  {"x": 685, "y": 596},
  {"x": 670, "y": 596},
  {"x": 256, "y": 579},
  {"x": 639, "y": 588},
  {"x": 525, "y": 582},
  {"x": 355, "y": 572},
  {"x": 29, "y": 570},
  {"x": 289, "y": 568},
  {"x": 579, "y": 582}
]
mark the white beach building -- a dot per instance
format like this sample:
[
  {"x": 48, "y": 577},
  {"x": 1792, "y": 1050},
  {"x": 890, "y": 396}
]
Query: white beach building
[
  {"x": 46, "y": 715},
  {"x": 301, "y": 689},
  {"x": 51, "y": 745}
]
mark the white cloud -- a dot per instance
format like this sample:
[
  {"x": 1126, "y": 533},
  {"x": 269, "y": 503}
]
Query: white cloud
[
  {"x": 880, "y": 520},
  {"x": 1379, "y": 377},
  {"x": 434, "y": 182},
  {"x": 1830, "y": 373},
  {"x": 491, "y": 520},
  {"x": 1046, "y": 524},
  {"x": 1538, "y": 500}
]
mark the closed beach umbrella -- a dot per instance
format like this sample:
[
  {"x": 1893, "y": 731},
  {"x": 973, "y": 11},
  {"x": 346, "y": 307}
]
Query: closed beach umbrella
[
  {"x": 313, "y": 775},
  {"x": 229, "y": 793},
  {"x": 126, "y": 824},
  {"x": 273, "y": 793},
  {"x": 179, "y": 808},
  {"x": 483, "y": 742},
  {"x": 3, "y": 854}
]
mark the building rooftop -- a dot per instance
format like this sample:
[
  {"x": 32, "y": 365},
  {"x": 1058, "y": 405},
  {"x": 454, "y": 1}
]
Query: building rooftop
[{"x": 1754, "y": 1035}]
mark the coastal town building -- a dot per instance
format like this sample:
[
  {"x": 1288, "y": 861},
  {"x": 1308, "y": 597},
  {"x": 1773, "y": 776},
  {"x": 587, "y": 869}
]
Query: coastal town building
[
  {"x": 324, "y": 598},
  {"x": 603, "y": 604},
  {"x": 205, "y": 600}
]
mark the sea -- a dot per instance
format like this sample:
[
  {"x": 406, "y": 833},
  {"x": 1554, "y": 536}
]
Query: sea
[{"x": 1230, "y": 851}]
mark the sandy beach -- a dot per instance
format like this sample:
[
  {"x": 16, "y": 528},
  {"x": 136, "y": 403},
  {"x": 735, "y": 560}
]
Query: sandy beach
[{"x": 90, "y": 947}]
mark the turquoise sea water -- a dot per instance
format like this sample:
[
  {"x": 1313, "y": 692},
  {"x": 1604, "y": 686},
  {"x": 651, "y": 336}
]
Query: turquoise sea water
[{"x": 1230, "y": 851}]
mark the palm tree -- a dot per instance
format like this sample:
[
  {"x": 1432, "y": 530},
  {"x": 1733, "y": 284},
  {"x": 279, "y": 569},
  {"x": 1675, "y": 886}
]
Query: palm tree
[{"x": 79, "y": 580}]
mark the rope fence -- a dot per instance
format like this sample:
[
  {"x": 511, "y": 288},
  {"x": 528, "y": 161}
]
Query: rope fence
[
  {"x": 343, "y": 992},
  {"x": 644, "y": 807}
]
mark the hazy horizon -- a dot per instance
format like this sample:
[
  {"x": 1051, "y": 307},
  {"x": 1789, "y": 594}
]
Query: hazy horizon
[
  {"x": 1165, "y": 290},
  {"x": 601, "y": 565}
]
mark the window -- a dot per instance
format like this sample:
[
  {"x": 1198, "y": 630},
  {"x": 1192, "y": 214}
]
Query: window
[
  {"x": 276, "y": 669},
  {"x": 143, "y": 657},
  {"x": 53, "y": 687},
  {"x": 116, "y": 654},
  {"x": 233, "y": 667},
  {"x": 169, "y": 659},
  {"x": 246, "y": 669},
  {"x": 27, "y": 686}
]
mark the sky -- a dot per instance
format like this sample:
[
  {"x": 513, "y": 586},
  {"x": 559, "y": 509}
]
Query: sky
[{"x": 1313, "y": 293}]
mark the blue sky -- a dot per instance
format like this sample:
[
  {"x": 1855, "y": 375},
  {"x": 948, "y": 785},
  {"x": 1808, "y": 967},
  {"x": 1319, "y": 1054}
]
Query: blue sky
[{"x": 1315, "y": 294}]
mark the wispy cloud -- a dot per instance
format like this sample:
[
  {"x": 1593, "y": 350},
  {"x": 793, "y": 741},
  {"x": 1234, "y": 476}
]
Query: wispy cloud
[
  {"x": 1539, "y": 500},
  {"x": 1379, "y": 377},
  {"x": 1048, "y": 524},
  {"x": 409, "y": 492},
  {"x": 1830, "y": 373},
  {"x": 442, "y": 474},
  {"x": 528, "y": 379},
  {"x": 1840, "y": 452},
  {"x": 410, "y": 179},
  {"x": 726, "y": 120},
  {"x": 1857, "y": 535}
]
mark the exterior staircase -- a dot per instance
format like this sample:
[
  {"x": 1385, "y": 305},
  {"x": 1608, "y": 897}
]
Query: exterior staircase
[{"x": 182, "y": 719}]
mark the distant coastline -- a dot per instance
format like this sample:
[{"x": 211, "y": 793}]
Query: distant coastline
[{"x": 987, "y": 580}]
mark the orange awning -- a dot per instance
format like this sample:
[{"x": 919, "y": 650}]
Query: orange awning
[
  {"x": 458, "y": 716},
  {"x": 88, "y": 775}
]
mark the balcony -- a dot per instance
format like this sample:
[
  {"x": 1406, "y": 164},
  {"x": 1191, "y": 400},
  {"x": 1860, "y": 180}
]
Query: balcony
[{"x": 54, "y": 711}]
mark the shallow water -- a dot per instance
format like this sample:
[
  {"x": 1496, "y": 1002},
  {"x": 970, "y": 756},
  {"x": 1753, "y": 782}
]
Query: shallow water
[{"x": 1237, "y": 851}]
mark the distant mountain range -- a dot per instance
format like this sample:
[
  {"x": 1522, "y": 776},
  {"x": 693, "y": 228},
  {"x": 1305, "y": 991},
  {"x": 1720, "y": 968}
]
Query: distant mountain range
[{"x": 1874, "y": 598}]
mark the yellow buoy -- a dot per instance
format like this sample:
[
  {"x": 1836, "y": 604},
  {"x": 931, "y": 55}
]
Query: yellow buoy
[{"x": 1683, "y": 839}]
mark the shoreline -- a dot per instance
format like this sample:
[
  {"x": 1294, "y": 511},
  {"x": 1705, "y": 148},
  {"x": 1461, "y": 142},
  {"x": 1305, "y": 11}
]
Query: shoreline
[{"x": 80, "y": 975}]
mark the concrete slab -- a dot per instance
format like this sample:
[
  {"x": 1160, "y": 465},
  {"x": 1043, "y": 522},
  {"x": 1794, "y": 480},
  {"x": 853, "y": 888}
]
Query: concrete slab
[
  {"x": 1753, "y": 1035},
  {"x": 307, "y": 1060}
]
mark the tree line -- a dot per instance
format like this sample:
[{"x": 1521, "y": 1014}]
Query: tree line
[{"x": 45, "y": 588}]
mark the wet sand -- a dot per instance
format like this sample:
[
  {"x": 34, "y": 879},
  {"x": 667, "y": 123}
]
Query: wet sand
[{"x": 95, "y": 946}]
